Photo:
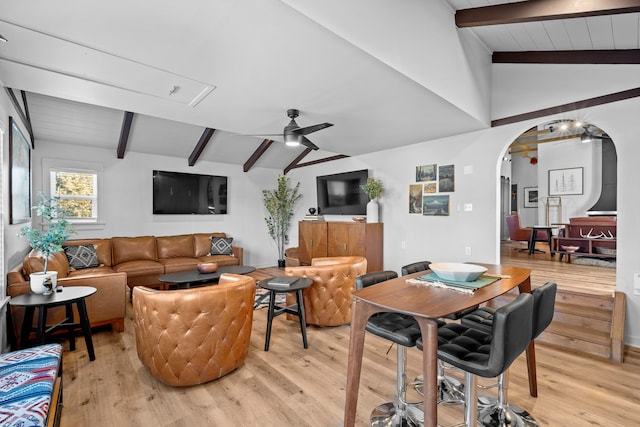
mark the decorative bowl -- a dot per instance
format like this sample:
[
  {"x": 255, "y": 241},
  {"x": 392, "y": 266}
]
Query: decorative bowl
[
  {"x": 207, "y": 267},
  {"x": 457, "y": 272},
  {"x": 569, "y": 248},
  {"x": 358, "y": 218}
]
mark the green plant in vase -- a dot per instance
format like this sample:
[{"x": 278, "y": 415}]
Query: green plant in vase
[
  {"x": 55, "y": 230},
  {"x": 373, "y": 190},
  {"x": 279, "y": 204}
]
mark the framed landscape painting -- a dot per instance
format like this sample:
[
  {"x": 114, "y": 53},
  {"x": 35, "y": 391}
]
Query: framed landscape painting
[
  {"x": 19, "y": 175},
  {"x": 437, "y": 205},
  {"x": 531, "y": 197}
]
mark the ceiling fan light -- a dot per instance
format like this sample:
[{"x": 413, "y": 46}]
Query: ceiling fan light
[{"x": 292, "y": 140}]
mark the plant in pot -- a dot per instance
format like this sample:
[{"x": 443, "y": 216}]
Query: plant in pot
[
  {"x": 55, "y": 230},
  {"x": 373, "y": 189},
  {"x": 279, "y": 204}
]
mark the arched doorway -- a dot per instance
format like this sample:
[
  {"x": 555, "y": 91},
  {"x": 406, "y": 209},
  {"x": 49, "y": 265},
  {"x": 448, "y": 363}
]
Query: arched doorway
[{"x": 559, "y": 170}]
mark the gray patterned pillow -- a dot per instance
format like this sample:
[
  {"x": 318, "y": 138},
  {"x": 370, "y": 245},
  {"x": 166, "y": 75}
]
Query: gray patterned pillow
[
  {"x": 81, "y": 256},
  {"x": 221, "y": 246}
]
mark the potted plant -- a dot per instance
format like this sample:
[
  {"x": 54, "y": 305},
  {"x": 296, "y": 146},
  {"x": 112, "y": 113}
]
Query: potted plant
[
  {"x": 373, "y": 189},
  {"x": 279, "y": 204},
  {"x": 55, "y": 230}
]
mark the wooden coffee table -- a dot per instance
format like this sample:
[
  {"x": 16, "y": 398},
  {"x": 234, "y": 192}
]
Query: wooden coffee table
[{"x": 186, "y": 279}]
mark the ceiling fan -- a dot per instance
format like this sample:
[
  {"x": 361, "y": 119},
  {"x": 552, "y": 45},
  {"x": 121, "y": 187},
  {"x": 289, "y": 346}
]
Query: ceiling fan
[{"x": 294, "y": 135}]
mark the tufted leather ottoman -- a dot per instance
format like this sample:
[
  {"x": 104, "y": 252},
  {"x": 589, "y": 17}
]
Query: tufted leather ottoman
[{"x": 191, "y": 336}]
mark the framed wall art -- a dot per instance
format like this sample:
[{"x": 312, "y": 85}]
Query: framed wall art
[
  {"x": 564, "y": 182},
  {"x": 19, "y": 175},
  {"x": 426, "y": 173},
  {"x": 446, "y": 179},
  {"x": 415, "y": 198},
  {"x": 437, "y": 205},
  {"x": 530, "y": 197}
]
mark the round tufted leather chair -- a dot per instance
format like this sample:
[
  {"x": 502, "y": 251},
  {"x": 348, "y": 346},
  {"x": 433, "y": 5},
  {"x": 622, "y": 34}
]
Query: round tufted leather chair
[
  {"x": 191, "y": 336},
  {"x": 327, "y": 302}
]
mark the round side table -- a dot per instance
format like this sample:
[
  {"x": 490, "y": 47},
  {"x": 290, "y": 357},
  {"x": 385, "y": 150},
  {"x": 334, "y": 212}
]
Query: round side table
[{"x": 297, "y": 309}]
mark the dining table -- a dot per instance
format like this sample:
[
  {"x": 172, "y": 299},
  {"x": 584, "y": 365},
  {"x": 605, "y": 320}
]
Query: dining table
[{"x": 425, "y": 304}]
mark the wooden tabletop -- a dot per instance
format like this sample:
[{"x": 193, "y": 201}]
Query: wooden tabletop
[{"x": 432, "y": 302}]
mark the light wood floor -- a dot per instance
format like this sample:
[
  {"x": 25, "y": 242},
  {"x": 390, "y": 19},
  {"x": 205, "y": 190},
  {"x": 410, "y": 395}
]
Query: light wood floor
[{"x": 290, "y": 386}]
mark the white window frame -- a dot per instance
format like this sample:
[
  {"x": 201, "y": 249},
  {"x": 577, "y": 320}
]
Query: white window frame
[
  {"x": 94, "y": 197},
  {"x": 51, "y": 165}
]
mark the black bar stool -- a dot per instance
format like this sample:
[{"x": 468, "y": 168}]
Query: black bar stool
[
  {"x": 402, "y": 330},
  {"x": 497, "y": 412},
  {"x": 486, "y": 355}
]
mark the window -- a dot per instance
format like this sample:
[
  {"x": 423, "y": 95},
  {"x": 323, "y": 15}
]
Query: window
[{"x": 77, "y": 191}]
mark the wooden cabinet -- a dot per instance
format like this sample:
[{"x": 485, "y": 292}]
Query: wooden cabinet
[
  {"x": 596, "y": 239},
  {"x": 328, "y": 239}
]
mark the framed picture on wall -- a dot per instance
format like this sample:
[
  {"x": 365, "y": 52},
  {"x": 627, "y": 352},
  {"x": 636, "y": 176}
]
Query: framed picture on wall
[
  {"x": 19, "y": 175},
  {"x": 530, "y": 197},
  {"x": 564, "y": 182},
  {"x": 437, "y": 205}
]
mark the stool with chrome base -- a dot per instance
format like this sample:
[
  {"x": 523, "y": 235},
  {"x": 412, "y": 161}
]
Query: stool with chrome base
[
  {"x": 482, "y": 354},
  {"x": 498, "y": 412},
  {"x": 402, "y": 330},
  {"x": 450, "y": 390}
]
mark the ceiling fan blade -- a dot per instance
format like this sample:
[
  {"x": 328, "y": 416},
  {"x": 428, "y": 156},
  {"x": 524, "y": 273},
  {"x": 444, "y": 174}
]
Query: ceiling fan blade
[
  {"x": 305, "y": 141},
  {"x": 310, "y": 129}
]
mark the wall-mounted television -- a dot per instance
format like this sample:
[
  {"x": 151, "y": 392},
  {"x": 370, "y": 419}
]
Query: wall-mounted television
[
  {"x": 340, "y": 194},
  {"x": 188, "y": 193}
]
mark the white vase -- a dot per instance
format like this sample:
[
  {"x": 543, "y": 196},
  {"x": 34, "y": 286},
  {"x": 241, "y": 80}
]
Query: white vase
[
  {"x": 36, "y": 280},
  {"x": 372, "y": 211}
]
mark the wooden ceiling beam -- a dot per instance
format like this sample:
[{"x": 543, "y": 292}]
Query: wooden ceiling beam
[
  {"x": 543, "y": 141},
  {"x": 326, "y": 159},
  {"x": 257, "y": 154},
  {"x": 294, "y": 163},
  {"x": 608, "y": 56},
  {"x": 23, "y": 114},
  {"x": 202, "y": 143},
  {"x": 124, "y": 134},
  {"x": 541, "y": 10},
  {"x": 572, "y": 106}
]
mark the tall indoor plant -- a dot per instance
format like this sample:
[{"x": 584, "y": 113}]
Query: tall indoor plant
[
  {"x": 279, "y": 204},
  {"x": 373, "y": 189},
  {"x": 55, "y": 230}
]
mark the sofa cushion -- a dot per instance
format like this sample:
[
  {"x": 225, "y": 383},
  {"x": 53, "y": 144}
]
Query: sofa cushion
[
  {"x": 34, "y": 262},
  {"x": 92, "y": 271},
  {"x": 174, "y": 265},
  {"x": 127, "y": 249},
  {"x": 221, "y": 260},
  {"x": 221, "y": 246},
  {"x": 103, "y": 248},
  {"x": 81, "y": 256},
  {"x": 140, "y": 268},
  {"x": 202, "y": 243},
  {"x": 175, "y": 246}
]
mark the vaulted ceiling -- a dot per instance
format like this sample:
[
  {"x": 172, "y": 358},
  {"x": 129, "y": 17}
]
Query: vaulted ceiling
[{"x": 189, "y": 80}]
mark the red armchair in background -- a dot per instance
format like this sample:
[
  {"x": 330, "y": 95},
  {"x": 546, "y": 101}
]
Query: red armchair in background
[{"x": 517, "y": 233}]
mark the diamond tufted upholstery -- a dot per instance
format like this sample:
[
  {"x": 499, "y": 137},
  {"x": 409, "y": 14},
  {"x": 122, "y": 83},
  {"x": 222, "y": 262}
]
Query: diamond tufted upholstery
[
  {"x": 191, "y": 336},
  {"x": 327, "y": 302}
]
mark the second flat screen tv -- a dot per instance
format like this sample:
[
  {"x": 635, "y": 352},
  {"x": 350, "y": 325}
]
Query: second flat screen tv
[
  {"x": 340, "y": 194},
  {"x": 187, "y": 193}
]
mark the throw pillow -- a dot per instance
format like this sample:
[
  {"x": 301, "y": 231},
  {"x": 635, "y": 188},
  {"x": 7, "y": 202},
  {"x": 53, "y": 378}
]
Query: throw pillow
[
  {"x": 81, "y": 256},
  {"x": 221, "y": 246}
]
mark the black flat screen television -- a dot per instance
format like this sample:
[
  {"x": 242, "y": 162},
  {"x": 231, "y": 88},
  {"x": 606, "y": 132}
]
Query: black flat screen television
[
  {"x": 187, "y": 193},
  {"x": 340, "y": 194}
]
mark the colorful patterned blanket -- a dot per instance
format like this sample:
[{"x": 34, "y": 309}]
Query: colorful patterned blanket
[{"x": 27, "y": 378}]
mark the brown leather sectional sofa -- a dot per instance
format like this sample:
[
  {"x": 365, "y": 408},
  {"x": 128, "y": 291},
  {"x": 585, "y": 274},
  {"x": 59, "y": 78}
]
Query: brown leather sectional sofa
[{"x": 123, "y": 261}]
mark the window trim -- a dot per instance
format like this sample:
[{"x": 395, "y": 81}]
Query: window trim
[{"x": 53, "y": 164}]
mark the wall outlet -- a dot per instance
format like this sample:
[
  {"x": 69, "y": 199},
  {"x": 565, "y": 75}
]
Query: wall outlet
[
  {"x": 468, "y": 207},
  {"x": 467, "y": 250},
  {"x": 636, "y": 283},
  {"x": 403, "y": 245}
]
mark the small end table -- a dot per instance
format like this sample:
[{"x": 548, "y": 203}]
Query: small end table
[
  {"x": 276, "y": 310},
  {"x": 66, "y": 296}
]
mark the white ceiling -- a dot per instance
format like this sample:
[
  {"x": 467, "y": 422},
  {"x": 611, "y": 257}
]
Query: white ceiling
[{"x": 239, "y": 65}]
